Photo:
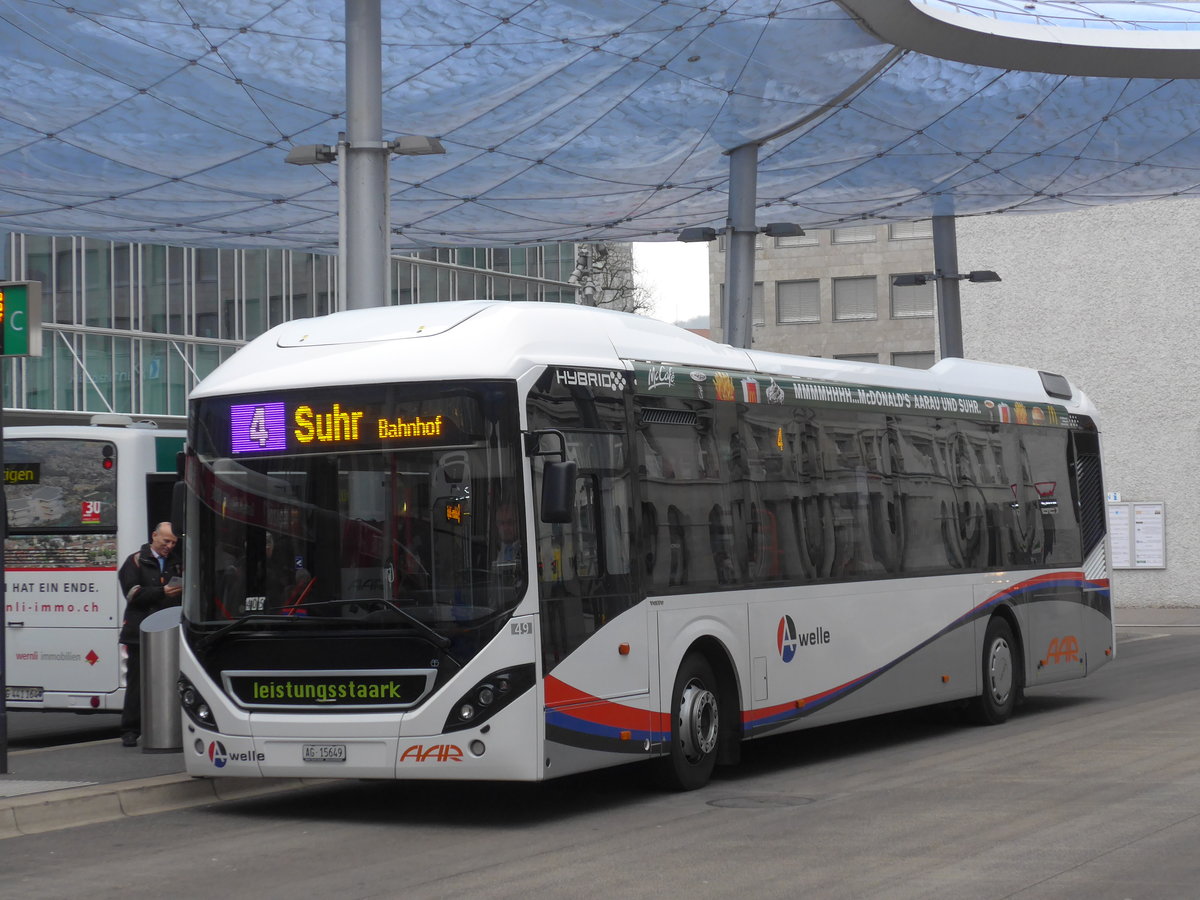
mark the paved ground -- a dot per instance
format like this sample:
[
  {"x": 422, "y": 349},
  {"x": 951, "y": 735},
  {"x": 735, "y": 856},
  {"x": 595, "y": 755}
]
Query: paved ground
[{"x": 50, "y": 788}]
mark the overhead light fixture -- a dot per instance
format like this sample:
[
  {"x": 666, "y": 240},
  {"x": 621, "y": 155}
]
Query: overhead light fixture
[
  {"x": 415, "y": 145},
  {"x": 311, "y": 155},
  {"x": 405, "y": 145},
  {"x": 916, "y": 279},
  {"x": 782, "y": 229},
  {"x": 773, "y": 229}
]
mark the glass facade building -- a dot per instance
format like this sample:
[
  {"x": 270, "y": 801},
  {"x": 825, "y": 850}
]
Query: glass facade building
[{"x": 131, "y": 328}]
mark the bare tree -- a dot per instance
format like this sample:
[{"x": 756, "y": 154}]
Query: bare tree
[{"x": 607, "y": 277}]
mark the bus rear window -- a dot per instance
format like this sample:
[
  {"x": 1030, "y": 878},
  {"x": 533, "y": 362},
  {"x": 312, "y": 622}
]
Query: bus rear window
[{"x": 57, "y": 485}]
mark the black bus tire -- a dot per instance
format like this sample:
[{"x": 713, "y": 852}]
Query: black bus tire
[
  {"x": 695, "y": 726},
  {"x": 1002, "y": 674}
]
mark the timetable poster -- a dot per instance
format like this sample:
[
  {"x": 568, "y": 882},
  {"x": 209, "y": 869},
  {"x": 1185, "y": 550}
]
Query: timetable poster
[
  {"x": 1137, "y": 535},
  {"x": 1149, "y": 536}
]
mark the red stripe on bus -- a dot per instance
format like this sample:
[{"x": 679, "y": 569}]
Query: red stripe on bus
[
  {"x": 603, "y": 712},
  {"x": 84, "y": 569}
]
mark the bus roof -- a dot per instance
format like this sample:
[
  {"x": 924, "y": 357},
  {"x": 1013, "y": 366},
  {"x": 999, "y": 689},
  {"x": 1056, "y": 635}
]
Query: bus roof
[
  {"x": 112, "y": 433},
  {"x": 499, "y": 339}
]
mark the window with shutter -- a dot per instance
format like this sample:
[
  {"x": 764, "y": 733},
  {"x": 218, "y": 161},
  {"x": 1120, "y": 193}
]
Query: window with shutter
[
  {"x": 854, "y": 234},
  {"x": 913, "y": 301},
  {"x": 854, "y": 299},
  {"x": 797, "y": 240},
  {"x": 797, "y": 301},
  {"x": 910, "y": 231},
  {"x": 915, "y": 360}
]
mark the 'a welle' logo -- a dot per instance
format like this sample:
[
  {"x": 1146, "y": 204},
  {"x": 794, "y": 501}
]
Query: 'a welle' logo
[
  {"x": 220, "y": 757},
  {"x": 789, "y": 641}
]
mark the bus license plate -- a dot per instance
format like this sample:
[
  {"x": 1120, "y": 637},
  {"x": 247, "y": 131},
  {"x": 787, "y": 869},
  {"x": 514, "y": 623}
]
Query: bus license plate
[
  {"x": 22, "y": 693},
  {"x": 324, "y": 752}
]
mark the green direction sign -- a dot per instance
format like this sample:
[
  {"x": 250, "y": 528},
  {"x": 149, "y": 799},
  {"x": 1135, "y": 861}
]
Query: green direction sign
[{"x": 21, "y": 314}]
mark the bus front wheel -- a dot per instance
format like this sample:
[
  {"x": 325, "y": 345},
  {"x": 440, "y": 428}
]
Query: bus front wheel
[
  {"x": 695, "y": 726},
  {"x": 1001, "y": 674}
]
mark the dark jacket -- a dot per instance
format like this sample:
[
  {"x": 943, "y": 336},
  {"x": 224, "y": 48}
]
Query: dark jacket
[{"x": 142, "y": 584}]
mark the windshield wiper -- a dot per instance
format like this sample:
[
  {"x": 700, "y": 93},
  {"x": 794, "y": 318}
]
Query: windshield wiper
[
  {"x": 436, "y": 638},
  {"x": 211, "y": 638}
]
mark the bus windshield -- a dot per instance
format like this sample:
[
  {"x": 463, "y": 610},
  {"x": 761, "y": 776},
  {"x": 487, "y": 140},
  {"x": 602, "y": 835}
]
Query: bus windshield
[{"x": 373, "y": 507}]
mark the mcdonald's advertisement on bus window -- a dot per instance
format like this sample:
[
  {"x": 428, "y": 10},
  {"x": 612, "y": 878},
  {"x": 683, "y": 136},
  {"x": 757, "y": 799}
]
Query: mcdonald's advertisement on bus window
[
  {"x": 708, "y": 384},
  {"x": 324, "y": 420}
]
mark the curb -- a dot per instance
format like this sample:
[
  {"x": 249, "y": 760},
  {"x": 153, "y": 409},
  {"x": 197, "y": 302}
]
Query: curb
[{"x": 38, "y": 814}]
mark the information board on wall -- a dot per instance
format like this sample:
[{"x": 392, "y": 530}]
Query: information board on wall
[{"x": 1137, "y": 534}]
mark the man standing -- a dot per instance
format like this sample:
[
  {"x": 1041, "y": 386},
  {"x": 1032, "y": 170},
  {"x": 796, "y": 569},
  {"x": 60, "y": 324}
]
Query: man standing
[{"x": 145, "y": 579}]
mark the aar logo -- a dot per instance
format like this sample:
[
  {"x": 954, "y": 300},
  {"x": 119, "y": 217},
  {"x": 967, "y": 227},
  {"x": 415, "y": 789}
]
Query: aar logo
[
  {"x": 217, "y": 755},
  {"x": 438, "y": 753},
  {"x": 1064, "y": 649},
  {"x": 786, "y": 639}
]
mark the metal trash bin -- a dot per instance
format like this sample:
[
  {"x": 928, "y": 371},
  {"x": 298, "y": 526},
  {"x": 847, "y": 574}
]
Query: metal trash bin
[{"x": 162, "y": 724}]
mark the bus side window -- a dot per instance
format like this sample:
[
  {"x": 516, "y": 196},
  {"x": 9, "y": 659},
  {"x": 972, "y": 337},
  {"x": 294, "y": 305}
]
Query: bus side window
[{"x": 677, "y": 535}]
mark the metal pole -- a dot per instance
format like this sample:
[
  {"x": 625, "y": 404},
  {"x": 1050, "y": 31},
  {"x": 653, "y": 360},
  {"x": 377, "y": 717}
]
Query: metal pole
[
  {"x": 3, "y": 589},
  {"x": 742, "y": 231},
  {"x": 949, "y": 310},
  {"x": 367, "y": 246},
  {"x": 5, "y": 249},
  {"x": 341, "y": 257}
]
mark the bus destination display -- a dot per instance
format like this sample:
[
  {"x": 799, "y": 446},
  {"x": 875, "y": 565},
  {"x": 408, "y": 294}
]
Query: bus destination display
[{"x": 298, "y": 426}]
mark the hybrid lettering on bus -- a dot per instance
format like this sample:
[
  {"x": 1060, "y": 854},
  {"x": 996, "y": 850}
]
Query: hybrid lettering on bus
[{"x": 514, "y": 541}]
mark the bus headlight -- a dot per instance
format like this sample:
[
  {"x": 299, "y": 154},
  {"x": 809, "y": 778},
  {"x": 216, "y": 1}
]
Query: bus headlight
[
  {"x": 195, "y": 706},
  {"x": 488, "y": 696}
]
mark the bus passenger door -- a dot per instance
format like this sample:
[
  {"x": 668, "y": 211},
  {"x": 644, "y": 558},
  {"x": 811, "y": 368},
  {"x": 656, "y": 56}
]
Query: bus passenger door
[
  {"x": 591, "y": 627},
  {"x": 1047, "y": 530},
  {"x": 595, "y": 646}
]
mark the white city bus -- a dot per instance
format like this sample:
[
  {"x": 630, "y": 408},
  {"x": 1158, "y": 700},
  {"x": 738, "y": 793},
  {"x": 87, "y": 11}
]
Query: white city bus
[
  {"x": 81, "y": 498},
  {"x": 714, "y": 545}
]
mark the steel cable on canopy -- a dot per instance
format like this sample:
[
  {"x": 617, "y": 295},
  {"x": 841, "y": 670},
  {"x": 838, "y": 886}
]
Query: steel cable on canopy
[{"x": 167, "y": 120}]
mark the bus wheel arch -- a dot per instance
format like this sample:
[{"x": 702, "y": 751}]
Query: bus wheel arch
[{"x": 1002, "y": 663}]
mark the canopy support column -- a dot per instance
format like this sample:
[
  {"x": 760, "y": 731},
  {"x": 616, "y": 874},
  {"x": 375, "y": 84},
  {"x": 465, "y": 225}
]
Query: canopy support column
[
  {"x": 365, "y": 251},
  {"x": 949, "y": 310},
  {"x": 740, "y": 228}
]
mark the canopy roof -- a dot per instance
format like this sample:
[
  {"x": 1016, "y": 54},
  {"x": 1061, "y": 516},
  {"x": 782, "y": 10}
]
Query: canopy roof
[{"x": 168, "y": 120}]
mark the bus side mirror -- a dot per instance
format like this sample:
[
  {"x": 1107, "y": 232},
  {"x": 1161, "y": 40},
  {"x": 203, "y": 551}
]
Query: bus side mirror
[
  {"x": 558, "y": 491},
  {"x": 179, "y": 493}
]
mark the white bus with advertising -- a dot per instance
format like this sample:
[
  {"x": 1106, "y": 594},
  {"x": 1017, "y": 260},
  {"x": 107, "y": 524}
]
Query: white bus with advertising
[
  {"x": 81, "y": 498},
  {"x": 514, "y": 541}
]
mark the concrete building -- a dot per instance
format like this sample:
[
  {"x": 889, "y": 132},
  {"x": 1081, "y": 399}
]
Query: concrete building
[
  {"x": 1108, "y": 297},
  {"x": 830, "y": 293}
]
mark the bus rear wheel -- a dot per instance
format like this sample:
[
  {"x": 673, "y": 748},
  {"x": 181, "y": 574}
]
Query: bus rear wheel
[
  {"x": 1001, "y": 675},
  {"x": 695, "y": 726}
]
